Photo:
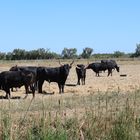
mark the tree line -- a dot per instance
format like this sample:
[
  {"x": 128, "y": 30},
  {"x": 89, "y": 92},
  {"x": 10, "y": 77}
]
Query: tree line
[{"x": 67, "y": 53}]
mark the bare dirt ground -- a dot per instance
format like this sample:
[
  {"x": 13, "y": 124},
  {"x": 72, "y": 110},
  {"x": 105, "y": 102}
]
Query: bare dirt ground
[{"x": 93, "y": 84}]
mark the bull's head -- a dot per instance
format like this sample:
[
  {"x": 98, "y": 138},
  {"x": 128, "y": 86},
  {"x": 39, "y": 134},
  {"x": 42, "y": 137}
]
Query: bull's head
[
  {"x": 117, "y": 68},
  {"x": 81, "y": 69},
  {"x": 66, "y": 67}
]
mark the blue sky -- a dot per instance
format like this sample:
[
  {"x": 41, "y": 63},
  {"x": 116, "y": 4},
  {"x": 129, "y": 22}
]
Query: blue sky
[{"x": 104, "y": 25}]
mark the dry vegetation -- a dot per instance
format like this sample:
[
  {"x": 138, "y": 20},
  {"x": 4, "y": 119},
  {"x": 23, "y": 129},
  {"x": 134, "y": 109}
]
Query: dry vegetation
[{"x": 104, "y": 108}]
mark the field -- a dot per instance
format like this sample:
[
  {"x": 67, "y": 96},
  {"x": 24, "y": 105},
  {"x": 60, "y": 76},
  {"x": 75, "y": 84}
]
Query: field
[{"x": 104, "y": 108}]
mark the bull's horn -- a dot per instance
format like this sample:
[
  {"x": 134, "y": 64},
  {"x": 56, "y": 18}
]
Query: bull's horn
[
  {"x": 78, "y": 67},
  {"x": 60, "y": 63},
  {"x": 71, "y": 63},
  {"x": 86, "y": 66}
]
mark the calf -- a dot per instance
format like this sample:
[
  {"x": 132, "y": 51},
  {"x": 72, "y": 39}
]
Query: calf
[{"x": 81, "y": 73}]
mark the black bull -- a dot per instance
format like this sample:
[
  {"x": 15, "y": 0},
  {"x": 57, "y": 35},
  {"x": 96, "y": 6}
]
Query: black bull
[
  {"x": 81, "y": 73},
  {"x": 10, "y": 79},
  {"x": 104, "y": 65},
  {"x": 56, "y": 74},
  {"x": 32, "y": 69}
]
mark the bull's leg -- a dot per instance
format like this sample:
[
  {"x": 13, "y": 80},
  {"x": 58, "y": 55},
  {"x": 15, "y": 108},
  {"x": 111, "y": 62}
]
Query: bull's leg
[
  {"x": 82, "y": 81},
  {"x": 12, "y": 89},
  {"x": 78, "y": 82},
  {"x": 62, "y": 86},
  {"x": 40, "y": 83},
  {"x": 36, "y": 85},
  {"x": 109, "y": 72},
  {"x": 97, "y": 74},
  {"x": 8, "y": 95},
  {"x": 33, "y": 89},
  {"x": 27, "y": 91},
  {"x": 59, "y": 85}
]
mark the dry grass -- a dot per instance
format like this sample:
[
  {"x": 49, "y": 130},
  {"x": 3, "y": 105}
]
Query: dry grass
[{"x": 97, "y": 104}]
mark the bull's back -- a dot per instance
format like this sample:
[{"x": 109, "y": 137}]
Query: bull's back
[{"x": 12, "y": 79}]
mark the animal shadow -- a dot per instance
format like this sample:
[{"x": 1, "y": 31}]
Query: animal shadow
[
  {"x": 72, "y": 85},
  {"x": 14, "y": 97},
  {"x": 47, "y": 93}
]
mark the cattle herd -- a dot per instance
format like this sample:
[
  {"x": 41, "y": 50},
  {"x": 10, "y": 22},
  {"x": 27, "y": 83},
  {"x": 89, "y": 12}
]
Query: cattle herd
[{"x": 33, "y": 77}]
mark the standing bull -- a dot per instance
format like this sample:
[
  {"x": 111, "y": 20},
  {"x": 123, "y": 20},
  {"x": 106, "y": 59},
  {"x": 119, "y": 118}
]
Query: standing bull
[
  {"x": 10, "y": 79},
  {"x": 97, "y": 67},
  {"x": 32, "y": 69},
  {"x": 81, "y": 73},
  {"x": 57, "y": 74}
]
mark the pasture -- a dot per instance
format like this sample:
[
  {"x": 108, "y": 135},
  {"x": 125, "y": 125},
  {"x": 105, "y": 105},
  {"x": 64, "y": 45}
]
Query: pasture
[{"x": 104, "y": 108}]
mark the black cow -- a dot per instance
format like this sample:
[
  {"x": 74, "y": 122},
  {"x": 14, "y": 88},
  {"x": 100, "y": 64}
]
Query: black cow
[
  {"x": 10, "y": 79},
  {"x": 111, "y": 64},
  {"x": 97, "y": 67},
  {"x": 81, "y": 73},
  {"x": 57, "y": 74},
  {"x": 104, "y": 65},
  {"x": 28, "y": 68},
  {"x": 32, "y": 69}
]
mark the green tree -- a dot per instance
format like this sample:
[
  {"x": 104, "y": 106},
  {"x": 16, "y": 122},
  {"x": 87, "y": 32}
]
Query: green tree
[
  {"x": 9, "y": 56},
  {"x": 137, "y": 51},
  {"x": 118, "y": 54},
  {"x": 87, "y": 52},
  {"x": 2, "y": 55},
  {"x": 18, "y": 54},
  {"x": 69, "y": 53}
]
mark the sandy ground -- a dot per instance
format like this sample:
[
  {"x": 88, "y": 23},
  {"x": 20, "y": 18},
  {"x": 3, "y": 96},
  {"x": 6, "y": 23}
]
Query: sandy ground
[{"x": 93, "y": 84}]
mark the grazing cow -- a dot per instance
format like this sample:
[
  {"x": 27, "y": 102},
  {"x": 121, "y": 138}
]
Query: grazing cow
[
  {"x": 97, "y": 67},
  {"x": 10, "y": 79},
  {"x": 111, "y": 64},
  {"x": 57, "y": 74},
  {"x": 104, "y": 65},
  {"x": 81, "y": 73}
]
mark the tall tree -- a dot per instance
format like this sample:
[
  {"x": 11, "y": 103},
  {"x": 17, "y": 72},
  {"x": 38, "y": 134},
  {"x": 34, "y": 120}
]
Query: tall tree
[
  {"x": 69, "y": 53},
  {"x": 118, "y": 54},
  {"x": 18, "y": 54},
  {"x": 87, "y": 52},
  {"x": 137, "y": 51}
]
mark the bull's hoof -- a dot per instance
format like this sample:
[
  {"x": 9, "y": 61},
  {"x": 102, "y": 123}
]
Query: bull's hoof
[{"x": 7, "y": 97}]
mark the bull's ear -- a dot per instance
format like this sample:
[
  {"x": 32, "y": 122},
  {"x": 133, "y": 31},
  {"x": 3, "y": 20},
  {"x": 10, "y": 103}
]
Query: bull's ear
[{"x": 71, "y": 63}]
